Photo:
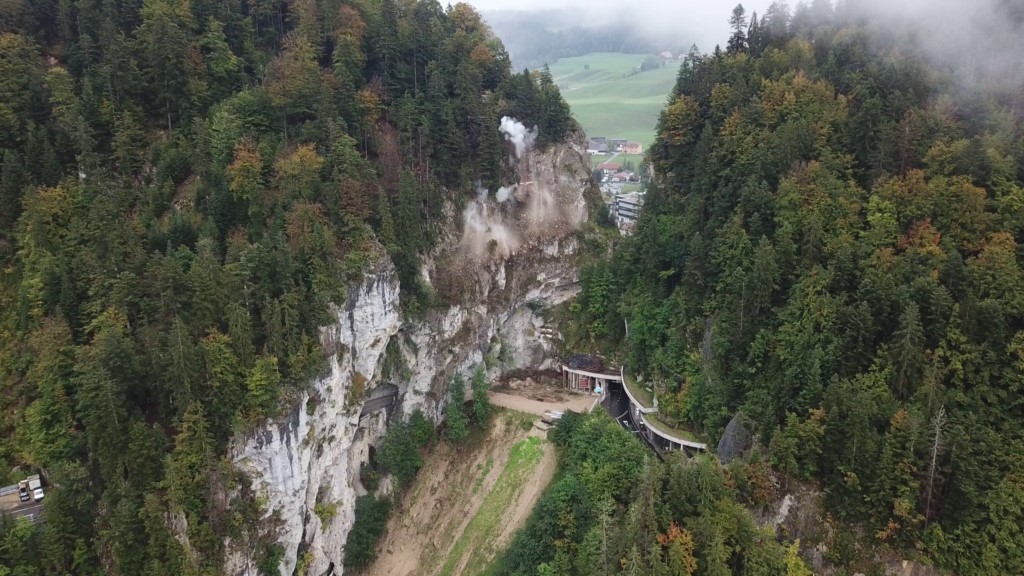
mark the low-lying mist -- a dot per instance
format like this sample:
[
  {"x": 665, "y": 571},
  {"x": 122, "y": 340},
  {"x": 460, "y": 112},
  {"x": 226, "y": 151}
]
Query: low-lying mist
[{"x": 977, "y": 39}]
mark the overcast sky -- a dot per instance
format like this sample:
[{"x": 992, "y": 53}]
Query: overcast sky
[{"x": 703, "y": 22}]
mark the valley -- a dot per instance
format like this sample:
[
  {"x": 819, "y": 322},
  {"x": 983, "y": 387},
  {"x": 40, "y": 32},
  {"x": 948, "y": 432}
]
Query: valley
[
  {"x": 313, "y": 287},
  {"x": 609, "y": 95}
]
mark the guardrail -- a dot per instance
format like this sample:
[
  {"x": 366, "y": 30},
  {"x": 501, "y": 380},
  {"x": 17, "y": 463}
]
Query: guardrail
[{"x": 655, "y": 428}]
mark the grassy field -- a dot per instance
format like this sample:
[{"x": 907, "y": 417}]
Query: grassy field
[
  {"x": 636, "y": 159},
  {"x": 479, "y": 534},
  {"x": 608, "y": 100}
]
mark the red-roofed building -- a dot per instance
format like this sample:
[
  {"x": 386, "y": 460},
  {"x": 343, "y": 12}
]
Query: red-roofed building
[{"x": 609, "y": 167}]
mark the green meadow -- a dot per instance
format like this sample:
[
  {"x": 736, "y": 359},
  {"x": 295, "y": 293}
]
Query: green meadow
[{"x": 608, "y": 99}]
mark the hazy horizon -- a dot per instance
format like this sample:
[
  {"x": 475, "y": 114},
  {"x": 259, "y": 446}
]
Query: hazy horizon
[
  {"x": 968, "y": 35},
  {"x": 704, "y": 23}
]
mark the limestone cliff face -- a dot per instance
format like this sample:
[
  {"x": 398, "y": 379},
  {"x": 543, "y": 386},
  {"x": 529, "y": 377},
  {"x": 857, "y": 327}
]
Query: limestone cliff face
[
  {"x": 314, "y": 455},
  {"x": 305, "y": 458}
]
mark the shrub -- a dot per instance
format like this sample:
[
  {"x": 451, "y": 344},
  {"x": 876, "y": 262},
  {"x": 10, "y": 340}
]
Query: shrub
[
  {"x": 269, "y": 564},
  {"x": 325, "y": 511},
  {"x": 369, "y": 477}
]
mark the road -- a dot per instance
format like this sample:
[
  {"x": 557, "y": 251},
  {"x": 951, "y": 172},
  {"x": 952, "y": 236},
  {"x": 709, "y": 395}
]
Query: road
[
  {"x": 31, "y": 510},
  {"x": 616, "y": 403},
  {"x": 581, "y": 403}
]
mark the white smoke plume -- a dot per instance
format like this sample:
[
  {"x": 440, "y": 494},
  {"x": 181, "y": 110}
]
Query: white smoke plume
[{"x": 516, "y": 133}]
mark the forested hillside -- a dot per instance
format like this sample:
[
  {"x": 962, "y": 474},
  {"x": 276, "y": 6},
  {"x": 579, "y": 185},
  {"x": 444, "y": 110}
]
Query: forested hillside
[
  {"x": 615, "y": 508},
  {"x": 185, "y": 186},
  {"x": 833, "y": 250}
]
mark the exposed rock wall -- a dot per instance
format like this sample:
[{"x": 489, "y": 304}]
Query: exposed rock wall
[
  {"x": 305, "y": 458},
  {"x": 313, "y": 456}
]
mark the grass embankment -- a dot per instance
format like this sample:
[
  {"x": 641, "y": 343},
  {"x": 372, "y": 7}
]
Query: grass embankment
[
  {"x": 661, "y": 426},
  {"x": 477, "y": 544},
  {"x": 464, "y": 505},
  {"x": 644, "y": 396},
  {"x": 608, "y": 100}
]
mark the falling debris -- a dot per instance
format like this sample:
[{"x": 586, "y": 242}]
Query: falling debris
[
  {"x": 484, "y": 232},
  {"x": 518, "y": 135},
  {"x": 504, "y": 193},
  {"x": 482, "y": 193},
  {"x": 521, "y": 213}
]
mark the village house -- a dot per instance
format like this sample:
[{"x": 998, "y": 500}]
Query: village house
[
  {"x": 608, "y": 168},
  {"x": 597, "y": 145},
  {"x": 633, "y": 147}
]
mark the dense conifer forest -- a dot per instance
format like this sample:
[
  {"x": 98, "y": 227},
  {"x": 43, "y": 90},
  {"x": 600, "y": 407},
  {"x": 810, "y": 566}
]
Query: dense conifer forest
[
  {"x": 832, "y": 250},
  {"x": 185, "y": 186},
  {"x": 614, "y": 508}
]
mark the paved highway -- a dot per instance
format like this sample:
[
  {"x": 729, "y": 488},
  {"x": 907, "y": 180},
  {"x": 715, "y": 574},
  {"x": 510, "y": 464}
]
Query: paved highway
[
  {"x": 31, "y": 510},
  {"x": 616, "y": 403}
]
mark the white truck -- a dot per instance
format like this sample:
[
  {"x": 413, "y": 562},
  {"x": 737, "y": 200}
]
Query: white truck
[{"x": 31, "y": 487}]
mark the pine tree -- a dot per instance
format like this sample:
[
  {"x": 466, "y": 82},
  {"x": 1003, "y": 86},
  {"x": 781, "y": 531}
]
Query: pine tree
[
  {"x": 481, "y": 401},
  {"x": 187, "y": 464},
  {"x": 738, "y": 23},
  {"x": 908, "y": 352},
  {"x": 456, "y": 422},
  {"x": 794, "y": 564}
]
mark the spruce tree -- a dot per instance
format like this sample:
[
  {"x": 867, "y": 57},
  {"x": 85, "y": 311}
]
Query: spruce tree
[
  {"x": 457, "y": 424},
  {"x": 481, "y": 402},
  {"x": 738, "y": 23}
]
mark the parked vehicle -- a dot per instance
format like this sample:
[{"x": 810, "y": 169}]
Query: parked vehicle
[
  {"x": 38, "y": 495},
  {"x": 30, "y": 487}
]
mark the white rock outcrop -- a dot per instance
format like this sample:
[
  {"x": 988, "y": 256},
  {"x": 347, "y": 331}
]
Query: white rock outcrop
[
  {"x": 314, "y": 455},
  {"x": 306, "y": 459}
]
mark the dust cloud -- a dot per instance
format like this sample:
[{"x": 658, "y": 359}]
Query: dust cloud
[{"x": 518, "y": 213}]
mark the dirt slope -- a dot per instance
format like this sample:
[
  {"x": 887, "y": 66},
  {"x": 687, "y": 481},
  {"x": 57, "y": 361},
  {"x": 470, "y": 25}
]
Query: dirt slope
[{"x": 427, "y": 532}]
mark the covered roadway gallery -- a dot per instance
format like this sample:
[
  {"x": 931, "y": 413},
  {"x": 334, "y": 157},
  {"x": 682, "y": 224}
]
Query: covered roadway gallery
[{"x": 587, "y": 374}]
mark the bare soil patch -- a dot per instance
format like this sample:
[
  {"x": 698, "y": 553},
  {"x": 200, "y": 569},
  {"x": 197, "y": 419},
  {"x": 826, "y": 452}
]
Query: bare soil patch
[
  {"x": 447, "y": 494},
  {"x": 574, "y": 402},
  {"x": 537, "y": 392}
]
